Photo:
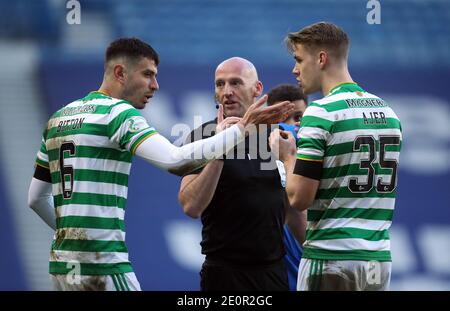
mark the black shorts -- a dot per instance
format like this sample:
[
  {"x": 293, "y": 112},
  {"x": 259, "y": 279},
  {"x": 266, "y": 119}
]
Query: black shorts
[{"x": 218, "y": 276}]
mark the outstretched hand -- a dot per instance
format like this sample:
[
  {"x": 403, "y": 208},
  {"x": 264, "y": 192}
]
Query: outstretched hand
[{"x": 256, "y": 114}]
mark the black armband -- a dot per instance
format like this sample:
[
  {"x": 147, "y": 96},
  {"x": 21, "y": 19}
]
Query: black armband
[
  {"x": 42, "y": 173},
  {"x": 310, "y": 169}
]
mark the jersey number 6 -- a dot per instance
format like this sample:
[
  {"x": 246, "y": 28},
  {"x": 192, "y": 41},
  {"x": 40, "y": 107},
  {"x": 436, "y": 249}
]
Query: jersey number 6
[{"x": 66, "y": 171}]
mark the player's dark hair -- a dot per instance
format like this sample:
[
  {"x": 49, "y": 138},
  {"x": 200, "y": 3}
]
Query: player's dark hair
[
  {"x": 322, "y": 35},
  {"x": 131, "y": 48},
  {"x": 284, "y": 92}
]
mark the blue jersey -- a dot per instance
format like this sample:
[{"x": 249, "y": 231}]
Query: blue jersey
[
  {"x": 289, "y": 128},
  {"x": 293, "y": 249},
  {"x": 292, "y": 258}
]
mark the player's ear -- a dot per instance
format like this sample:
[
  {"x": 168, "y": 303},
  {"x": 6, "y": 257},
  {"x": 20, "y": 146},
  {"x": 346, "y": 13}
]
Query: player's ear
[
  {"x": 119, "y": 73},
  {"x": 258, "y": 88},
  {"x": 322, "y": 59}
]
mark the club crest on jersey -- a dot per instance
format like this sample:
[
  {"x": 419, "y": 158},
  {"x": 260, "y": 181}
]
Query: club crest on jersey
[{"x": 136, "y": 124}]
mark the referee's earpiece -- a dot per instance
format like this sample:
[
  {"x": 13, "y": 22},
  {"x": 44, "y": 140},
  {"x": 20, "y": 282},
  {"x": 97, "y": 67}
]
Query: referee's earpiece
[{"x": 216, "y": 100}]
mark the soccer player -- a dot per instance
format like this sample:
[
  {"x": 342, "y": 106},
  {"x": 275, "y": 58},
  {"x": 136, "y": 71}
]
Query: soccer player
[
  {"x": 344, "y": 170},
  {"x": 292, "y": 93},
  {"x": 84, "y": 161},
  {"x": 295, "y": 226}
]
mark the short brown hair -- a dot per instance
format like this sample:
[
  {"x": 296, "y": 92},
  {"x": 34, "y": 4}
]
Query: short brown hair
[
  {"x": 131, "y": 48},
  {"x": 320, "y": 35},
  {"x": 284, "y": 92}
]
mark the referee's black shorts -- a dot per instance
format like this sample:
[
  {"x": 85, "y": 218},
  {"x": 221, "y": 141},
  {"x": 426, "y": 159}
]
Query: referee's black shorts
[{"x": 219, "y": 276}]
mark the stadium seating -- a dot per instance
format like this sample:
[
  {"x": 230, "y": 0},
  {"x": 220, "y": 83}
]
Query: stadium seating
[{"x": 408, "y": 34}]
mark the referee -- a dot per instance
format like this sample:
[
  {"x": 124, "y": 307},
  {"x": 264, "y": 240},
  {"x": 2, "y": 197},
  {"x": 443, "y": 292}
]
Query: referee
[{"x": 241, "y": 206}]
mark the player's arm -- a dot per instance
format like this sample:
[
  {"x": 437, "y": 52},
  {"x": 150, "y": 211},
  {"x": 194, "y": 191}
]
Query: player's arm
[
  {"x": 157, "y": 150},
  {"x": 300, "y": 190},
  {"x": 303, "y": 165},
  {"x": 40, "y": 198},
  {"x": 302, "y": 182},
  {"x": 296, "y": 222}
]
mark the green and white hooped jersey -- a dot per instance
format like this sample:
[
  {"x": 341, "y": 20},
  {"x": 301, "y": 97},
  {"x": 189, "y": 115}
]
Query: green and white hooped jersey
[
  {"x": 358, "y": 138},
  {"x": 88, "y": 147}
]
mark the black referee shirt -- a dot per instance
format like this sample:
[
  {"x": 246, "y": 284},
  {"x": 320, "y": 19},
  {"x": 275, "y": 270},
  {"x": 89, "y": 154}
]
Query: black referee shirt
[{"x": 243, "y": 224}]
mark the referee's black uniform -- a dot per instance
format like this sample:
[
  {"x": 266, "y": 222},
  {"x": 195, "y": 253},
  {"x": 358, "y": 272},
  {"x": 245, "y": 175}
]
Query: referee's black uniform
[{"x": 242, "y": 235}]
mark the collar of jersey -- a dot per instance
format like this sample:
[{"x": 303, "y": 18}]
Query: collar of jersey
[
  {"x": 95, "y": 95},
  {"x": 345, "y": 87}
]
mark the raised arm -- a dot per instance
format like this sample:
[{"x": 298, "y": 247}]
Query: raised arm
[
  {"x": 302, "y": 176},
  {"x": 181, "y": 160}
]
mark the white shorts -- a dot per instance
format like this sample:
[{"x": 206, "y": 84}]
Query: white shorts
[
  {"x": 343, "y": 275},
  {"x": 113, "y": 282}
]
